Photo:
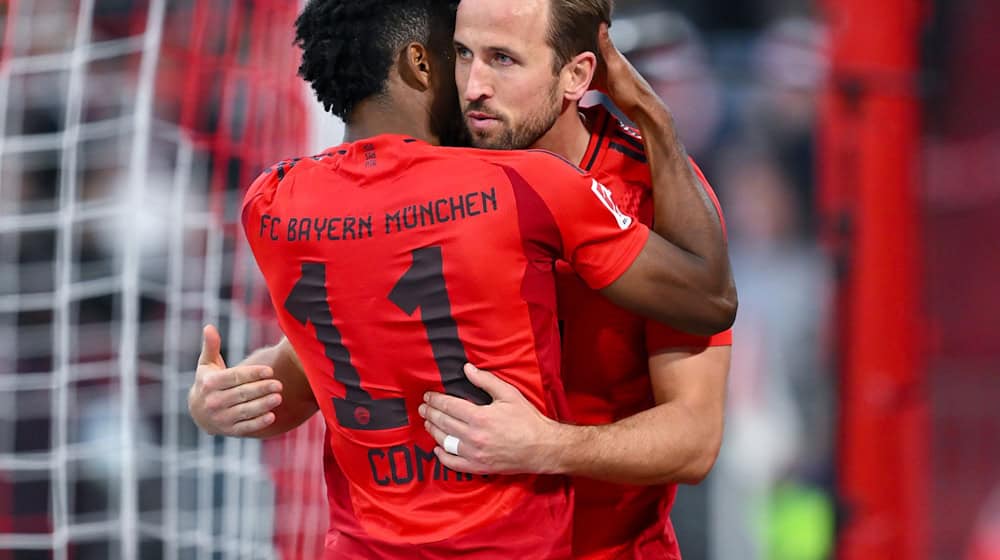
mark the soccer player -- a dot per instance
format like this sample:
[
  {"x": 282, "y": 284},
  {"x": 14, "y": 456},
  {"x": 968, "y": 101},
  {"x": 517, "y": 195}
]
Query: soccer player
[
  {"x": 447, "y": 256},
  {"x": 648, "y": 400}
]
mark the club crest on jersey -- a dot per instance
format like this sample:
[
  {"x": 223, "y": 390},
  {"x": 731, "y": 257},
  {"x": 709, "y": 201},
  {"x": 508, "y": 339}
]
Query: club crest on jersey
[{"x": 604, "y": 195}]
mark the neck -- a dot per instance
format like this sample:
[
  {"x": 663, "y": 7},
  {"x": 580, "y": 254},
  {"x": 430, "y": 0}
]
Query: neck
[
  {"x": 373, "y": 117},
  {"x": 568, "y": 137}
]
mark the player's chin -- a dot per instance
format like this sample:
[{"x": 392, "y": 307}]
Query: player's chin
[
  {"x": 489, "y": 140},
  {"x": 480, "y": 140}
]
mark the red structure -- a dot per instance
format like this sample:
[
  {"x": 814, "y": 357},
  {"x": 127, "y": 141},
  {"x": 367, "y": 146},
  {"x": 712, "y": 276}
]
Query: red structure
[{"x": 869, "y": 177}]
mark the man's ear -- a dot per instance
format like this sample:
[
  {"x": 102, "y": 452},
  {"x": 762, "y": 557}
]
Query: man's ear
[
  {"x": 576, "y": 75},
  {"x": 415, "y": 66}
]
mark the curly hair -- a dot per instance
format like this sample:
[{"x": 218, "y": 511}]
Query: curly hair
[{"x": 348, "y": 46}]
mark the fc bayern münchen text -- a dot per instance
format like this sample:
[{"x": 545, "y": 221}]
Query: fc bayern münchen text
[{"x": 346, "y": 228}]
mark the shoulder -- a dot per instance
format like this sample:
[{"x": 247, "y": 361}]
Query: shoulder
[
  {"x": 538, "y": 163},
  {"x": 542, "y": 158},
  {"x": 549, "y": 159},
  {"x": 533, "y": 166},
  {"x": 271, "y": 176},
  {"x": 262, "y": 191},
  {"x": 266, "y": 182}
]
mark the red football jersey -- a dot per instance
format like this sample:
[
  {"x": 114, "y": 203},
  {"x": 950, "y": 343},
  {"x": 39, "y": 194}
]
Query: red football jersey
[
  {"x": 390, "y": 264},
  {"x": 605, "y": 363}
]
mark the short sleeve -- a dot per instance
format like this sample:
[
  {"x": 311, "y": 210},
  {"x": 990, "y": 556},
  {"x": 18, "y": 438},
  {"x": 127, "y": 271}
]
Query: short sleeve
[
  {"x": 660, "y": 337},
  {"x": 598, "y": 240},
  {"x": 710, "y": 192}
]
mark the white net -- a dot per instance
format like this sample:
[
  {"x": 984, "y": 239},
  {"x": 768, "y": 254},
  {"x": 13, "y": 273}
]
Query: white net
[{"x": 127, "y": 130}]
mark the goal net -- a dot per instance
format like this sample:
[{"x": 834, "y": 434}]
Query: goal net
[{"x": 128, "y": 130}]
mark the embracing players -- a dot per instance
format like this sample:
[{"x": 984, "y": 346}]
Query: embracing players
[
  {"x": 502, "y": 75},
  {"x": 646, "y": 400}
]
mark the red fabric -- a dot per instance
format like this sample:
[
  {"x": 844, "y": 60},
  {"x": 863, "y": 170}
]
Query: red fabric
[
  {"x": 496, "y": 222},
  {"x": 537, "y": 528},
  {"x": 7, "y": 37},
  {"x": 605, "y": 363}
]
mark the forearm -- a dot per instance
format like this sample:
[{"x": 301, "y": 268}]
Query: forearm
[
  {"x": 678, "y": 440},
  {"x": 682, "y": 210},
  {"x": 675, "y": 441},
  {"x": 297, "y": 401},
  {"x": 665, "y": 444},
  {"x": 684, "y": 214},
  {"x": 689, "y": 263}
]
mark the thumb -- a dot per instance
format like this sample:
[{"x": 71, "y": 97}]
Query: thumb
[
  {"x": 211, "y": 347},
  {"x": 489, "y": 382}
]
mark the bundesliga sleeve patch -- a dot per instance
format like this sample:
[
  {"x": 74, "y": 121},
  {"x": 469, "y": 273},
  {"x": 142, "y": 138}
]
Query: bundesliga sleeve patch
[{"x": 604, "y": 195}]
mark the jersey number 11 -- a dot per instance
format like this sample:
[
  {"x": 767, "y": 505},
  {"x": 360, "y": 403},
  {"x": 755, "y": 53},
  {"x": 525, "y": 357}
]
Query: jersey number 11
[{"x": 421, "y": 286}]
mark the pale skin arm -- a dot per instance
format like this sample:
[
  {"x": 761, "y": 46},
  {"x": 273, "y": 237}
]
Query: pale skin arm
[
  {"x": 265, "y": 395},
  {"x": 675, "y": 441}
]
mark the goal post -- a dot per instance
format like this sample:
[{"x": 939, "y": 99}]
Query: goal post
[{"x": 128, "y": 132}]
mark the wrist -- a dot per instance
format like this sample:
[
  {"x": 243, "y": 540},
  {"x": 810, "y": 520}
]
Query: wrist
[
  {"x": 632, "y": 99},
  {"x": 651, "y": 114},
  {"x": 562, "y": 446}
]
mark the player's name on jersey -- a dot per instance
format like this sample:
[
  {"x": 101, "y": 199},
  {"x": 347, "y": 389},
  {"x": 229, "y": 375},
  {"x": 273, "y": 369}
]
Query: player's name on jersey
[
  {"x": 346, "y": 228},
  {"x": 408, "y": 464}
]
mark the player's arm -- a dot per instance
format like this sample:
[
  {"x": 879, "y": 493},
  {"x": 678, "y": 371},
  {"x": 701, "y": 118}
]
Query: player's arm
[
  {"x": 694, "y": 265},
  {"x": 675, "y": 441},
  {"x": 633, "y": 267},
  {"x": 265, "y": 395}
]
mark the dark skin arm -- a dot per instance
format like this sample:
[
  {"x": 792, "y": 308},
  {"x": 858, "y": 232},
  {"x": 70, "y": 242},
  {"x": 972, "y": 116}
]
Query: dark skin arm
[
  {"x": 265, "y": 395},
  {"x": 692, "y": 271}
]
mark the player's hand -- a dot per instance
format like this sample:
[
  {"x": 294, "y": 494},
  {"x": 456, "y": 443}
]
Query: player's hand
[
  {"x": 616, "y": 76},
  {"x": 506, "y": 436},
  {"x": 234, "y": 401}
]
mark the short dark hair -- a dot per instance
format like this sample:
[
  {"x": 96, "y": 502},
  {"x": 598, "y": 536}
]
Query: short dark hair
[
  {"x": 573, "y": 27},
  {"x": 348, "y": 46}
]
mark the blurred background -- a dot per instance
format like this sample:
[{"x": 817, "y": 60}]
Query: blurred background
[{"x": 855, "y": 147}]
